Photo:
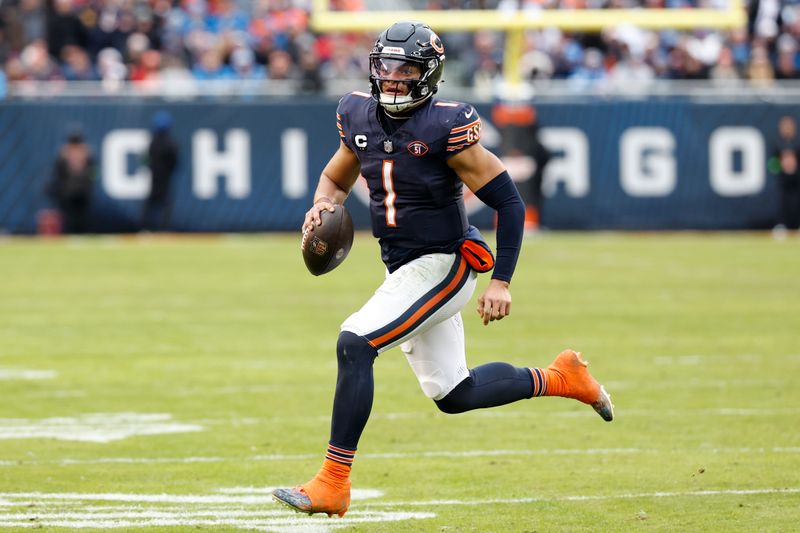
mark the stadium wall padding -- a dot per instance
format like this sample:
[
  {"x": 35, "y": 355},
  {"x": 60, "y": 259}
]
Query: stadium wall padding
[{"x": 666, "y": 163}]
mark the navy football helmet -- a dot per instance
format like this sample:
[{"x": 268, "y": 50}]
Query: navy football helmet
[{"x": 410, "y": 53}]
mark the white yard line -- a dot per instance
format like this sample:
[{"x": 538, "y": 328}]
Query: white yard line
[
  {"x": 194, "y": 499},
  {"x": 625, "y": 496},
  {"x": 233, "y": 495},
  {"x": 400, "y": 455},
  {"x": 93, "y": 427},
  {"x": 355, "y": 494},
  {"x": 662, "y": 413},
  {"x": 403, "y": 455},
  {"x": 49, "y": 514},
  {"x": 282, "y": 525},
  {"x": 697, "y": 383},
  {"x": 109, "y": 427},
  {"x": 69, "y": 510},
  {"x": 8, "y": 374},
  {"x": 579, "y": 411}
]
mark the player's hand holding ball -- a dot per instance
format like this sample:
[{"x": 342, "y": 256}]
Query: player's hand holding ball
[{"x": 327, "y": 236}]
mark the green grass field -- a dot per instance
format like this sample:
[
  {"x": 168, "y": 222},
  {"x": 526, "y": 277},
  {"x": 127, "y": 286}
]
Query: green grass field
[{"x": 168, "y": 383}]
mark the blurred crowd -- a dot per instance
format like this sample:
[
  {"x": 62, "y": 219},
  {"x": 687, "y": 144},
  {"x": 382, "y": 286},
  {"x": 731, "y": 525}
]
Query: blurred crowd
[{"x": 155, "y": 43}]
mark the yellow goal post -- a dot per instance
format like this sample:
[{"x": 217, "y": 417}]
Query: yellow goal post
[{"x": 514, "y": 23}]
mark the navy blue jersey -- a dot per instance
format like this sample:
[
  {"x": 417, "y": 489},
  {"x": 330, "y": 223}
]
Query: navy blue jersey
[{"x": 416, "y": 200}]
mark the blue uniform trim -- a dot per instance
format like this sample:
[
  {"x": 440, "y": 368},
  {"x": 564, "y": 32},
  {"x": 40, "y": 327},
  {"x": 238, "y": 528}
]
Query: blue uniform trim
[{"x": 423, "y": 308}]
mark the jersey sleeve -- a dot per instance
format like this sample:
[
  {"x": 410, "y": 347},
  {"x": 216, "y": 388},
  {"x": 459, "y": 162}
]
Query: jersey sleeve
[
  {"x": 342, "y": 122},
  {"x": 351, "y": 112},
  {"x": 465, "y": 129}
]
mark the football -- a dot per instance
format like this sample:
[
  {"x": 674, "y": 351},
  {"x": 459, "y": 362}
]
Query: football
[{"x": 326, "y": 246}]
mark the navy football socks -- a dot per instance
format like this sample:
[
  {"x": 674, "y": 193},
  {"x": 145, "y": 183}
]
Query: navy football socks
[
  {"x": 488, "y": 385},
  {"x": 355, "y": 387}
]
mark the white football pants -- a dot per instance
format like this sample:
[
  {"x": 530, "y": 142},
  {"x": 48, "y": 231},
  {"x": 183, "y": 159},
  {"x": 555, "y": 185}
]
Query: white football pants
[{"x": 418, "y": 307}]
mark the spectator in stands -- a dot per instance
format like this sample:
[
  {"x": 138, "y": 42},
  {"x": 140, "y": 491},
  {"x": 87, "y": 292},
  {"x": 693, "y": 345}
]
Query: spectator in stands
[
  {"x": 486, "y": 61},
  {"x": 310, "y": 79},
  {"x": 725, "y": 68},
  {"x": 227, "y": 17},
  {"x": 766, "y": 49},
  {"x": 211, "y": 67},
  {"x": 162, "y": 158},
  {"x": 248, "y": 74},
  {"x": 135, "y": 45},
  {"x": 104, "y": 30},
  {"x": 339, "y": 61},
  {"x": 38, "y": 65},
  {"x": 77, "y": 66},
  {"x": 15, "y": 71},
  {"x": 535, "y": 64},
  {"x": 591, "y": 73},
  {"x": 20, "y": 24},
  {"x": 111, "y": 69},
  {"x": 786, "y": 68},
  {"x": 73, "y": 181},
  {"x": 759, "y": 70},
  {"x": 147, "y": 69},
  {"x": 786, "y": 165},
  {"x": 64, "y": 28},
  {"x": 175, "y": 78},
  {"x": 631, "y": 73},
  {"x": 280, "y": 66},
  {"x": 243, "y": 61}
]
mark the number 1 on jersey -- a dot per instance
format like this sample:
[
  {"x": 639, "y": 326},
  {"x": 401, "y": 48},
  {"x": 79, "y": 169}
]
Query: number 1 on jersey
[{"x": 388, "y": 186}]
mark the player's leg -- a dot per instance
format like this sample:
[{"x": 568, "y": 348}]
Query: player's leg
[
  {"x": 437, "y": 357},
  {"x": 411, "y": 299},
  {"x": 329, "y": 490}
]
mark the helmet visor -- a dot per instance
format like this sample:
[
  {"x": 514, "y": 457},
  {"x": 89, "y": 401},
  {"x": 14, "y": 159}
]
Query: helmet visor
[{"x": 395, "y": 69}]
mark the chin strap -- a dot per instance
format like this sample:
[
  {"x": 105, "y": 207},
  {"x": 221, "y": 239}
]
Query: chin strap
[{"x": 407, "y": 106}]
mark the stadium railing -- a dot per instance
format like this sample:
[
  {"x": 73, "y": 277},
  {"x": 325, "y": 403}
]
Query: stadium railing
[{"x": 552, "y": 89}]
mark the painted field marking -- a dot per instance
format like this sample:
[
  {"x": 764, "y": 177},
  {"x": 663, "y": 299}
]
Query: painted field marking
[
  {"x": 696, "y": 383},
  {"x": 580, "y": 411},
  {"x": 355, "y": 494},
  {"x": 698, "y": 359},
  {"x": 238, "y": 495},
  {"x": 575, "y": 498},
  {"x": 68, "y": 510},
  {"x": 95, "y": 427},
  {"x": 405, "y": 455},
  {"x": 584, "y": 413},
  {"x": 243, "y": 508},
  {"x": 279, "y": 525},
  {"x": 9, "y": 374}
]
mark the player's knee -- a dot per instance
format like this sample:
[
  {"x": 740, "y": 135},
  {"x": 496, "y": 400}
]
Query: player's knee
[
  {"x": 354, "y": 350},
  {"x": 429, "y": 374},
  {"x": 431, "y": 389},
  {"x": 457, "y": 400}
]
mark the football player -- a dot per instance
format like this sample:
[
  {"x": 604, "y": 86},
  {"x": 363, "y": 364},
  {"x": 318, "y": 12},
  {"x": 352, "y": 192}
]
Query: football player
[{"x": 416, "y": 153}]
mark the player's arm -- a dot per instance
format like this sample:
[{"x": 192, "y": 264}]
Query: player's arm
[
  {"x": 485, "y": 175},
  {"x": 335, "y": 182}
]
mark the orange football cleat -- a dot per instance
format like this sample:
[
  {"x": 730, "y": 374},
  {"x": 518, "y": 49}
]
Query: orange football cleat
[
  {"x": 568, "y": 376},
  {"x": 316, "y": 496}
]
